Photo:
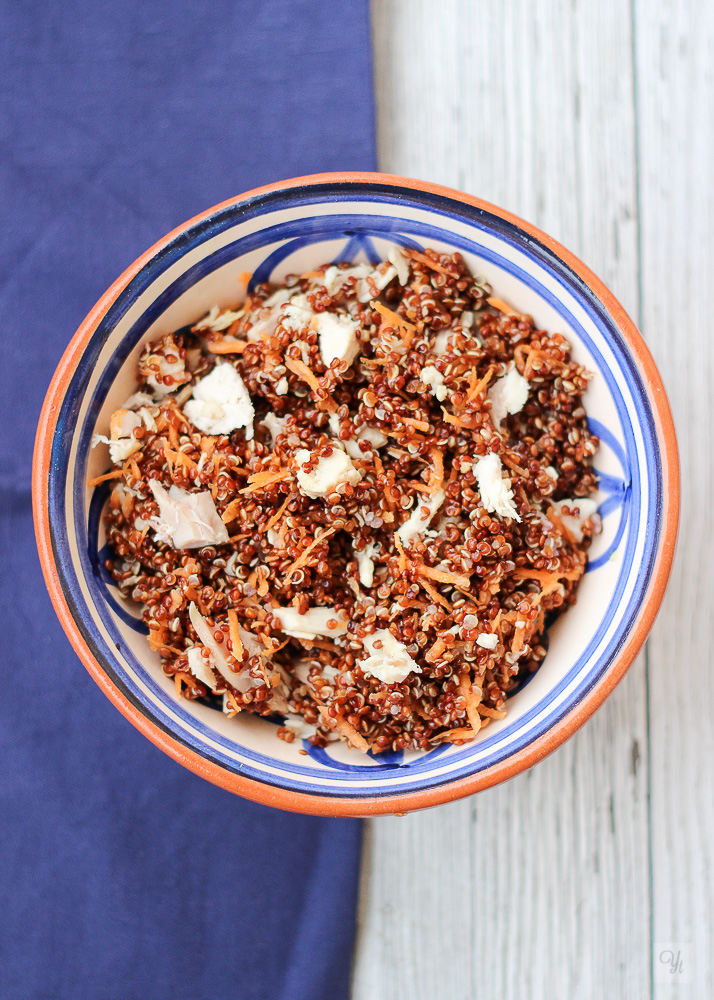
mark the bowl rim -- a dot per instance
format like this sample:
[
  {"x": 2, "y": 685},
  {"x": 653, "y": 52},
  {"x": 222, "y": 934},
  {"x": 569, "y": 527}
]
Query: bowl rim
[{"x": 335, "y": 805}]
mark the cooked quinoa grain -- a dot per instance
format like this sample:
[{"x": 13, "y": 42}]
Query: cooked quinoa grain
[{"x": 357, "y": 500}]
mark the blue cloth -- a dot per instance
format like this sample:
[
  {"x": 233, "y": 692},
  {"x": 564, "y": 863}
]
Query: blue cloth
[{"x": 122, "y": 875}]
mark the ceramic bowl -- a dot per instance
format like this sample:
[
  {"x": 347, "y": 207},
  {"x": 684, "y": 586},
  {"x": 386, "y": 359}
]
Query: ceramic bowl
[{"x": 295, "y": 226}]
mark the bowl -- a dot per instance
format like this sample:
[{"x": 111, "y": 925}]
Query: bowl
[{"x": 295, "y": 226}]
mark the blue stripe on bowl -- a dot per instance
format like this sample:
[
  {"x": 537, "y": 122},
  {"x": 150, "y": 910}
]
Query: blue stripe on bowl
[{"x": 314, "y": 229}]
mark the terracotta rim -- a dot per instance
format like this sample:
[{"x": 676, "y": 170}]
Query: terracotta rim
[{"x": 329, "y": 805}]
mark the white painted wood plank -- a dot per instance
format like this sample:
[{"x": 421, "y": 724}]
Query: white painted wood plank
[
  {"x": 538, "y": 888},
  {"x": 675, "y": 98}
]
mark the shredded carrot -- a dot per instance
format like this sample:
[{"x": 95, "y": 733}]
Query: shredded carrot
[
  {"x": 263, "y": 586},
  {"x": 266, "y": 476},
  {"x": 181, "y": 676},
  {"x": 329, "y": 647},
  {"x": 262, "y": 479},
  {"x": 392, "y": 321},
  {"x": 231, "y": 511},
  {"x": 116, "y": 474},
  {"x": 421, "y": 425},
  {"x": 279, "y": 513},
  {"x": 380, "y": 472},
  {"x": 244, "y": 278},
  {"x": 519, "y": 637},
  {"x": 180, "y": 458},
  {"x": 303, "y": 557},
  {"x": 232, "y": 699},
  {"x": 156, "y": 643},
  {"x": 478, "y": 387},
  {"x": 300, "y": 369},
  {"x": 345, "y": 728},
  {"x": 555, "y": 518},
  {"x": 208, "y": 446},
  {"x": 402, "y": 555},
  {"x": 451, "y": 735},
  {"x": 236, "y": 641},
  {"x": 417, "y": 484},
  {"x": 455, "y": 421},
  {"x": 549, "y": 581},
  {"x": 399, "y": 435},
  {"x": 226, "y": 346},
  {"x": 443, "y": 576},
  {"x": 435, "y": 651},
  {"x": 524, "y": 356},
  {"x": 514, "y": 466},
  {"x": 492, "y": 713},
  {"x": 472, "y": 700},
  {"x": 437, "y": 477},
  {"x": 176, "y": 599},
  {"x": 434, "y": 594},
  {"x": 534, "y": 356},
  {"x": 173, "y": 436},
  {"x": 427, "y": 261},
  {"x": 501, "y": 306},
  {"x": 521, "y": 355}
]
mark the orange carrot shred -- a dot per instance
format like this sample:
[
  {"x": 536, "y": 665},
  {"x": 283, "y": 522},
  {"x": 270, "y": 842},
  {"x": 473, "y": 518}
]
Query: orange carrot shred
[
  {"x": 451, "y": 735},
  {"x": 443, "y": 576},
  {"x": 492, "y": 713},
  {"x": 303, "y": 557},
  {"x": 438, "y": 475},
  {"x": 421, "y": 425},
  {"x": 300, "y": 369},
  {"x": 427, "y": 261},
  {"x": 234, "y": 704},
  {"x": 278, "y": 514},
  {"x": 555, "y": 518},
  {"x": 514, "y": 466},
  {"x": 455, "y": 421},
  {"x": 231, "y": 511},
  {"x": 501, "y": 306},
  {"x": 262, "y": 479},
  {"x": 226, "y": 346},
  {"x": 346, "y": 728},
  {"x": 402, "y": 554},
  {"x": 236, "y": 641},
  {"x": 479, "y": 386},
  {"x": 472, "y": 700},
  {"x": 116, "y": 474},
  {"x": 392, "y": 321},
  {"x": 434, "y": 594},
  {"x": 179, "y": 677}
]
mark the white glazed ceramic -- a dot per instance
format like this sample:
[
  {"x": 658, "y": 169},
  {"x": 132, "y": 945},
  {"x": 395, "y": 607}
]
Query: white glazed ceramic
[{"x": 295, "y": 227}]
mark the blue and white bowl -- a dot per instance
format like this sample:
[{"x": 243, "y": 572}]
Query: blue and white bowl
[{"x": 296, "y": 226}]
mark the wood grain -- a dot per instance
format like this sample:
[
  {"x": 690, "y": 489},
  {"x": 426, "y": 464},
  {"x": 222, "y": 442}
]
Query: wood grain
[
  {"x": 593, "y": 121},
  {"x": 675, "y": 105}
]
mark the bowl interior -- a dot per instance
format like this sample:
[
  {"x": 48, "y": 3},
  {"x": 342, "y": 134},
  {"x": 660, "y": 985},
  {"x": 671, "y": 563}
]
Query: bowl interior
[{"x": 297, "y": 230}]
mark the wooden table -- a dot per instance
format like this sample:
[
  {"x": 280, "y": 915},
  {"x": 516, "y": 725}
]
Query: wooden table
[{"x": 593, "y": 119}]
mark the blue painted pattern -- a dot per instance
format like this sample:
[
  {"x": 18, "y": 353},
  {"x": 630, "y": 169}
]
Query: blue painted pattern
[
  {"x": 357, "y": 243},
  {"x": 155, "y": 702}
]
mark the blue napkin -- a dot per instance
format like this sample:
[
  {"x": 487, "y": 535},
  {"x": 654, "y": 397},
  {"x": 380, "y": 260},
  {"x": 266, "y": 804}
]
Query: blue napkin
[{"x": 122, "y": 875}]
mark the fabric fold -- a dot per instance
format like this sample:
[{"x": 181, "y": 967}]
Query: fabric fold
[{"x": 123, "y": 874}]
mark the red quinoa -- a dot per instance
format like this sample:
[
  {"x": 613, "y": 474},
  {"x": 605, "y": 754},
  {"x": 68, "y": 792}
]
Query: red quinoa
[{"x": 460, "y": 604}]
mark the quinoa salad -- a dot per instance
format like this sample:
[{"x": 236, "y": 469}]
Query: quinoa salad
[{"x": 354, "y": 502}]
